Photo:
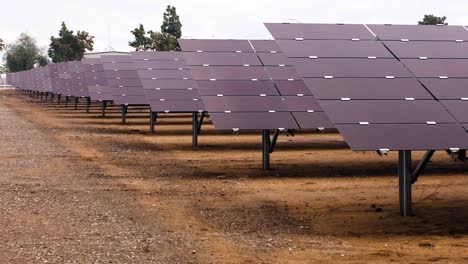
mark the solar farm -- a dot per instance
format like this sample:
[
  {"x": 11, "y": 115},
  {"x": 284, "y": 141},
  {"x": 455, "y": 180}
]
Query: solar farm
[{"x": 301, "y": 148}]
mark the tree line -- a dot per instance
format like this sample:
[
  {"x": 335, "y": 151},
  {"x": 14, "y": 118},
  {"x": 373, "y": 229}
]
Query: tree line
[{"x": 24, "y": 53}]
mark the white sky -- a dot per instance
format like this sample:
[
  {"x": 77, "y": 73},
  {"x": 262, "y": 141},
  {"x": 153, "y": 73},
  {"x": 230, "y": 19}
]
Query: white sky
[{"x": 206, "y": 18}]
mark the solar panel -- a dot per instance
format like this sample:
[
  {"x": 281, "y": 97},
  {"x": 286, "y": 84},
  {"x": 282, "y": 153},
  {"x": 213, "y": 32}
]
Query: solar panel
[
  {"x": 428, "y": 49},
  {"x": 167, "y": 82},
  {"x": 304, "y": 31},
  {"x": 122, "y": 77},
  {"x": 414, "y": 32},
  {"x": 237, "y": 86},
  {"x": 447, "y": 89},
  {"x": 96, "y": 80},
  {"x": 372, "y": 98}
]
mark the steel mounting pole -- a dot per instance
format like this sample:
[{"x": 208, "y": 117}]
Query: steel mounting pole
[
  {"x": 266, "y": 149},
  {"x": 404, "y": 173},
  {"x": 195, "y": 129}
]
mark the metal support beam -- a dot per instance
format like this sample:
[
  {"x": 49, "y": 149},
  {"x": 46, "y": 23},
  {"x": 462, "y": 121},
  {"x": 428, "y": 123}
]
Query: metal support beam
[
  {"x": 201, "y": 122},
  {"x": 42, "y": 95},
  {"x": 266, "y": 149},
  {"x": 195, "y": 129},
  {"x": 273, "y": 142},
  {"x": 124, "y": 114},
  {"x": 421, "y": 166},
  {"x": 153, "y": 118},
  {"x": 59, "y": 96},
  {"x": 404, "y": 173},
  {"x": 66, "y": 101},
  {"x": 462, "y": 155},
  {"x": 76, "y": 103},
  {"x": 47, "y": 96},
  {"x": 88, "y": 104},
  {"x": 103, "y": 108}
]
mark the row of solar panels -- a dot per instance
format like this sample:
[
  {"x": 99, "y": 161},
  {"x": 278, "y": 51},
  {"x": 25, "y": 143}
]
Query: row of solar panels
[{"x": 384, "y": 87}]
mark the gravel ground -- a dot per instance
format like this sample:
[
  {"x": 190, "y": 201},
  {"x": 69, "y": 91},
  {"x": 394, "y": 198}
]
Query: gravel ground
[
  {"x": 79, "y": 188},
  {"x": 58, "y": 208}
]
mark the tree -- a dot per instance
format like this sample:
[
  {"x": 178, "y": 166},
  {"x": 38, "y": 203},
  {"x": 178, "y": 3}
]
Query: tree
[
  {"x": 2, "y": 45},
  {"x": 433, "y": 20},
  {"x": 171, "y": 23},
  {"x": 162, "y": 42},
  {"x": 23, "y": 54},
  {"x": 141, "y": 42},
  {"x": 68, "y": 46}
]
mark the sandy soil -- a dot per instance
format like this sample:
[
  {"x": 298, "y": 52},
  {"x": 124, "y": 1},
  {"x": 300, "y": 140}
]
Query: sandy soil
[{"x": 79, "y": 188}]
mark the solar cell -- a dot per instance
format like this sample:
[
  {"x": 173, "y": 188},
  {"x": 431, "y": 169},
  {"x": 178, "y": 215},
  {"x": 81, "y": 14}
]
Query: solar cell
[
  {"x": 414, "y": 32},
  {"x": 237, "y": 88},
  {"x": 96, "y": 80}
]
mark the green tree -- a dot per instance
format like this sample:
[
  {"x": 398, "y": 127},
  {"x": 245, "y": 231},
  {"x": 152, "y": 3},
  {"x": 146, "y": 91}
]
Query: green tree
[
  {"x": 2, "y": 45},
  {"x": 141, "y": 42},
  {"x": 68, "y": 46},
  {"x": 24, "y": 54},
  {"x": 171, "y": 23},
  {"x": 162, "y": 41},
  {"x": 433, "y": 20}
]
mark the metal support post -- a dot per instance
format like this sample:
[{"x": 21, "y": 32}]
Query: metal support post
[
  {"x": 124, "y": 114},
  {"x": 266, "y": 149},
  {"x": 76, "y": 102},
  {"x": 404, "y": 173},
  {"x": 153, "y": 118},
  {"x": 195, "y": 129}
]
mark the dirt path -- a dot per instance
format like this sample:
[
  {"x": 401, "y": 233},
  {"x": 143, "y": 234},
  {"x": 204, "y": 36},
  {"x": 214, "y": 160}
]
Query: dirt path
[{"x": 79, "y": 188}]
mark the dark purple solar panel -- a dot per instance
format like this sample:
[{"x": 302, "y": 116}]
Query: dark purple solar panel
[
  {"x": 404, "y": 136},
  {"x": 367, "y": 88},
  {"x": 229, "y": 73},
  {"x": 292, "y": 88},
  {"x": 254, "y": 120},
  {"x": 302, "y": 103},
  {"x": 319, "y": 31},
  {"x": 334, "y": 49},
  {"x": 313, "y": 120},
  {"x": 428, "y": 49},
  {"x": 375, "y": 101},
  {"x": 458, "y": 108},
  {"x": 122, "y": 76},
  {"x": 244, "y": 104},
  {"x": 265, "y": 46},
  {"x": 364, "y": 68},
  {"x": 274, "y": 59},
  {"x": 196, "y": 45},
  {"x": 438, "y": 67},
  {"x": 386, "y": 112},
  {"x": 221, "y": 59},
  {"x": 96, "y": 80},
  {"x": 160, "y": 65},
  {"x": 168, "y": 84},
  {"x": 419, "y": 32},
  {"x": 164, "y": 74},
  {"x": 177, "y": 106},
  {"x": 230, "y": 88},
  {"x": 446, "y": 89}
]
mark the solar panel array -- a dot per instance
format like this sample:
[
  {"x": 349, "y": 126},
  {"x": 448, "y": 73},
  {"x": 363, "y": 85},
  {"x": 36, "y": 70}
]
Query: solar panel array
[
  {"x": 240, "y": 91},
  {"x": 167, "y": 82},
  {"x": 95, "y": 80},
  {"x": 374, "y": 99},
  {"x": 122, "y": 77}
]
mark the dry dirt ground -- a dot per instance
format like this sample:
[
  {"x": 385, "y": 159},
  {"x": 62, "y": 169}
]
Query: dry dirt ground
[{"x": 79, "y": 188}]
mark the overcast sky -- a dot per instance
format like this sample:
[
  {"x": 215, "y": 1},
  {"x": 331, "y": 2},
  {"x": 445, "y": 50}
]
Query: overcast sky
[{"x": 206, "y": 18}]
